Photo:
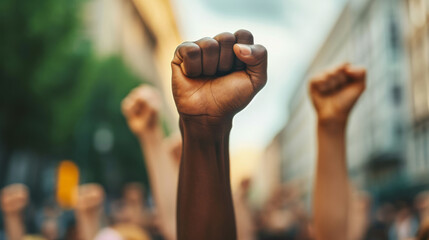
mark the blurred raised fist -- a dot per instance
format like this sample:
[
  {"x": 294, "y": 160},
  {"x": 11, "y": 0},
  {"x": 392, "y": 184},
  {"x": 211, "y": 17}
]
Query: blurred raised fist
[
  {"x": 217, "y": 77},
  {"x": 141, "y": 108},
  {"x": 90, "y": 198},
  {"x": 14, "y": 198},
  {"x": 335, "y": 92}
]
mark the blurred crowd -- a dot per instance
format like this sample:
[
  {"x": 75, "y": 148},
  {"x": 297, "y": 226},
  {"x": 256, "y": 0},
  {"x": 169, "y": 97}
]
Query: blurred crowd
[
  {"x": 58, "y": 94},
  {"x": 283, "y": 216},
  {"x": 139, "y": 215}
]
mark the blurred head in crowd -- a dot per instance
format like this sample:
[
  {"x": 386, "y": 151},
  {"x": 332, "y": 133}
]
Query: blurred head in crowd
[
  {"x": 134, "y": 193},
  {"x": 422, "y": 205},
  {"x": 50, "y": 229}
]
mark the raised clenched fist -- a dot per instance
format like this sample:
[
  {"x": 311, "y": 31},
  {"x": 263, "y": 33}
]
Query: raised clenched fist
[
  {"x": 141, "y": 108},
  {"x": 335, "y": 92},
  {"x": 14, "y": 198},
  {"x": 217, "y": 77},
  {"x": 90, "y": 198}
]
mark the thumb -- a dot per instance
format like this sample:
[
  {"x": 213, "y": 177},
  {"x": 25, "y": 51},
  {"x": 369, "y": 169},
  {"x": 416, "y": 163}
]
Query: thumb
[{"x": 255, "y": 58}]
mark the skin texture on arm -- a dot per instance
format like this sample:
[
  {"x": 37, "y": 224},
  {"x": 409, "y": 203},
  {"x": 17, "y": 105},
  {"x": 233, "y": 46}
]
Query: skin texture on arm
[
  {"x": 141, "y": 109},
  {"x": 89, "y": 210},
  {"x": 14, "y": 198},
  {"x": 359, "y": 218},
  {"x": 334, "y": 93},
  {"x": 213, "y": 79}
]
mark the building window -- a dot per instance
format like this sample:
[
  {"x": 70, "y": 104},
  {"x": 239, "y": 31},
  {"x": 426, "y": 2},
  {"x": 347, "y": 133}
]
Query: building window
[
  {"x": 397, "y": 94},
  {"x": 394, "y": 35}
]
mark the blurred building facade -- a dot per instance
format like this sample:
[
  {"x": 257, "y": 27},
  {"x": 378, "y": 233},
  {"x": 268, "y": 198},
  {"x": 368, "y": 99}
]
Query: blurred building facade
[
  {"x": 143, "y": 32},
  {"x": 417, "y": 42},
  {"x": 267, "y": 178},
  {"x": 385, "y": 135}
]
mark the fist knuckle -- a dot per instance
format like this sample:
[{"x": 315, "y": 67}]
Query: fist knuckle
[
  {"x": 210, "y": 45},
  {"x": 192, "y": 52},
  {"x": 243, "y": 35},
  {"x": 226, "y": 38}
]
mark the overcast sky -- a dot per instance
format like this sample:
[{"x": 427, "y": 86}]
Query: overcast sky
[{"x": 291, "y": 30}]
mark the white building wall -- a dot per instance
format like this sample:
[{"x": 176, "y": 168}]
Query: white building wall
[{"x": 362, "y": 36}]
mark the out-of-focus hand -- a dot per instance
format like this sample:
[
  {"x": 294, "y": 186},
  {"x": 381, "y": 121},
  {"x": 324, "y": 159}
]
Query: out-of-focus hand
[
  {"x": 335, "y": 92},
  {"x": 90, "y": 198},
  {"x": 217, "y": 77},
  {"x": 14, "y": 198},
  {"x": 141, "y": 109}
]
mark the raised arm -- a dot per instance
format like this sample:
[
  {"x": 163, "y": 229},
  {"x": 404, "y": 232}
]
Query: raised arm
[
  {"x": 243, "y": 213},
  {"x": 14, "y": 199},
  {"x": 334, "y": 93},
  {"x": 89, "y": 210},
  {"x": 213, "y": 79},
  {"x": 141, "y": 109}
]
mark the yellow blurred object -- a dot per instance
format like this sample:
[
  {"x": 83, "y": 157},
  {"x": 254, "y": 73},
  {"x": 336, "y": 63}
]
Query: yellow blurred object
[
  {"x": 33, "y": 237},
  {"x": 131, "y": 232},
  {"x": 67, "y": 184}
]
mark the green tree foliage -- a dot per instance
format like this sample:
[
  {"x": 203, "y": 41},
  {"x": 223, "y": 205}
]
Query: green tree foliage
[
  {"x": 55, "y": 93},
  {"x": 36, "y": 51},
  {"x": 103, "y": 111}
]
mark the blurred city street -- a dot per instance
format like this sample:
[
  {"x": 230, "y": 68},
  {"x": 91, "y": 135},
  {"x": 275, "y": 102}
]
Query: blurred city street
[{"x": 68, "y": 69}]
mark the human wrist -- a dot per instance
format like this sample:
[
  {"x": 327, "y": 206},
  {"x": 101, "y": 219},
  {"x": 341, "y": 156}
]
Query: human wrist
[
  {"x": 205, "y": 127},
  {"x": 149, "y": 135},
  {"x": 90, "y": 216},
  {"x": 332, "y": 125},
  {"x": 13, "y": 218}
]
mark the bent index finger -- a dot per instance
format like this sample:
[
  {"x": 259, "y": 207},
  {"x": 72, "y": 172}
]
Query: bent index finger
[{"x": 188, "y": 57}]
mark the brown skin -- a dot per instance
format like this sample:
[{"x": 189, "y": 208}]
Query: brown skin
[
  {"x": 359, "y": 209},
  {"x": 141, "y": 109},
  {"x": 334, "y": 93},
  {"x": 89, "y": 210},
  {"x": 213, "y": 79},
  {"x": 14, "y": 199}
]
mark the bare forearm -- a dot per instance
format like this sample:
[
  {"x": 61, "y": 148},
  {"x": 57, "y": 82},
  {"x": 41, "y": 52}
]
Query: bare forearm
[
  {"x": 163, "y": 179},
  {"x": 244, "y": 218},
  {"x": 88, "y": 225},
  {"x": 205, "y": 208},
  {"x": 156, "y": 161},
  {"x": 14, "y": 226},
  {"x": 331, "y": 186}
]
